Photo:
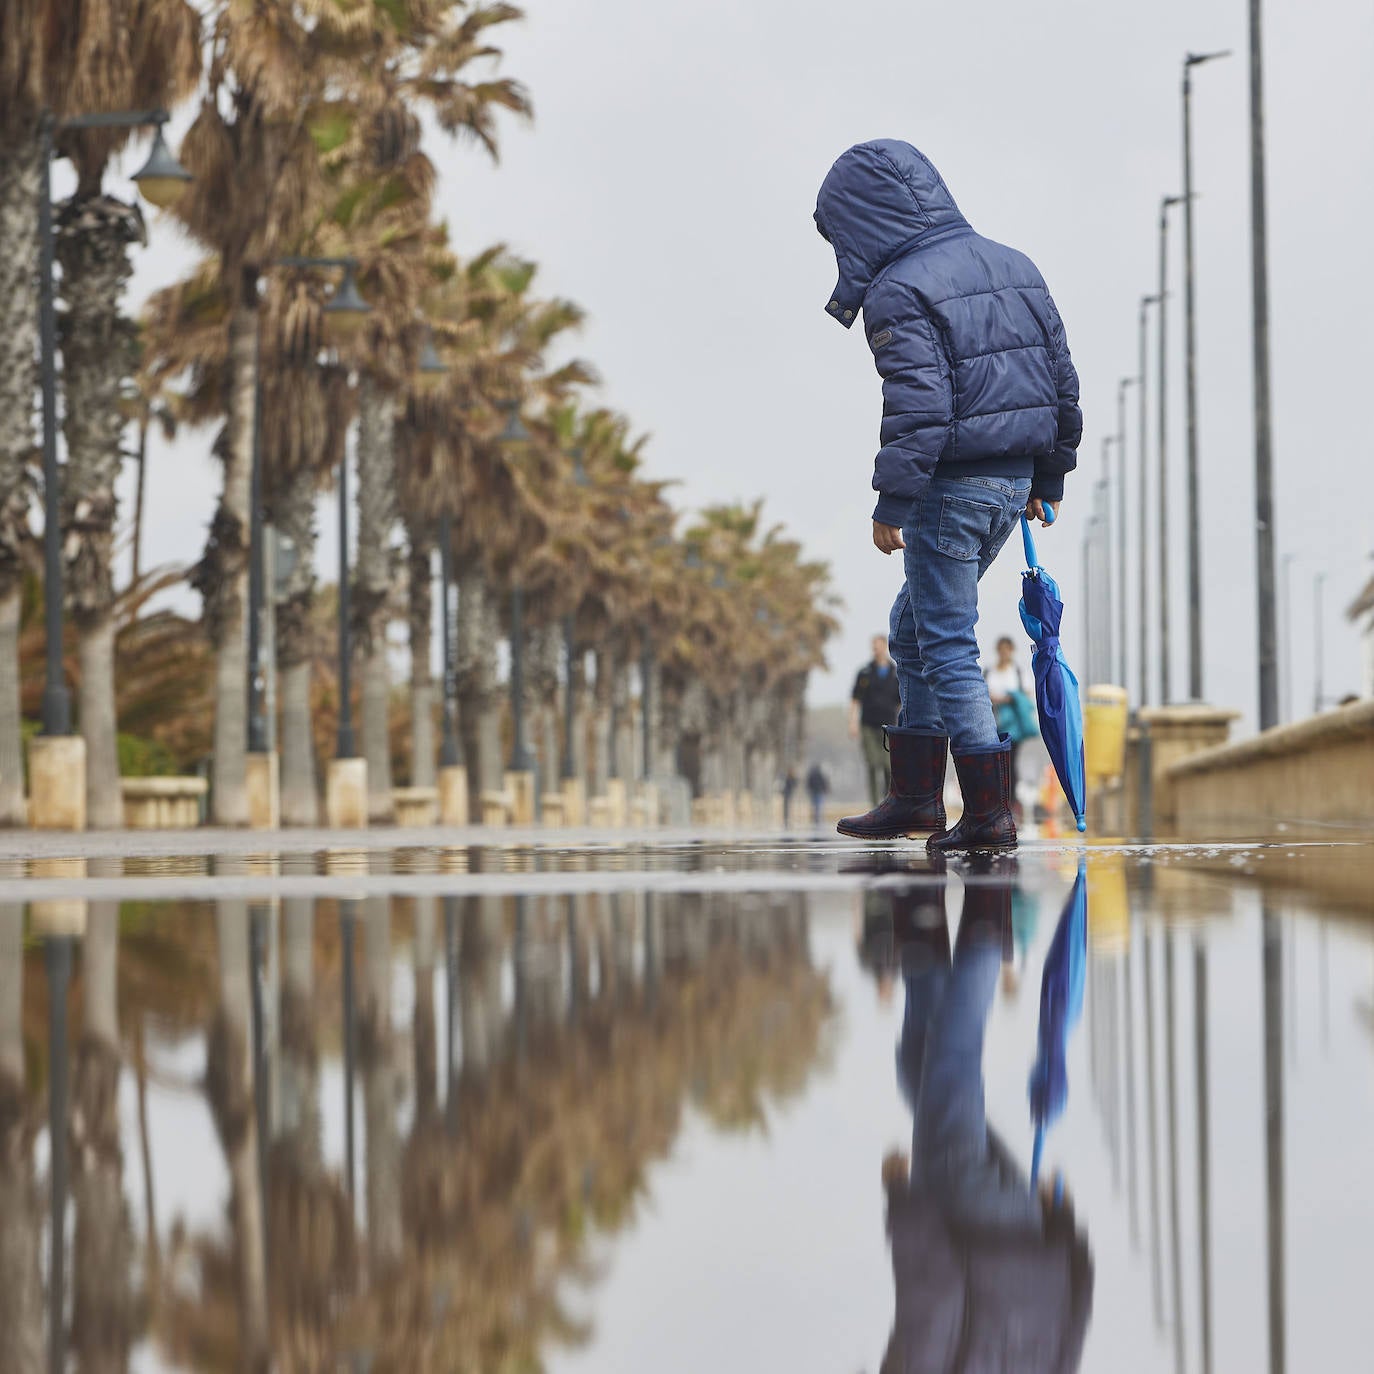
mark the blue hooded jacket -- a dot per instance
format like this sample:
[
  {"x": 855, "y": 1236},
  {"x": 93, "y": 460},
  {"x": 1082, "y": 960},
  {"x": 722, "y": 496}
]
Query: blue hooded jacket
[{"x": 977, "y": 377}]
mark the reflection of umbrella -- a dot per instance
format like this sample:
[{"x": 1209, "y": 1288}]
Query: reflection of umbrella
[
  {"x": 1061, "y": 1004},
  {"x": 1056, "y": 688}
]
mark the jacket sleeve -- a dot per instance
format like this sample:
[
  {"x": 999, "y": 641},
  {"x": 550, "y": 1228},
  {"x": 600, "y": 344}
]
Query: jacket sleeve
[
  {"x": 918, "y": 400},
  {"x": 1050, "y": 468}
]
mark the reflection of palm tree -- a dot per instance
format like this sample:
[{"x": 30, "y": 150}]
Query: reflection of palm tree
[
  {"x": 228, "y": 1085},
  {"x": 102, "y": 1315},
  {"x": 21, "y": 1296}
]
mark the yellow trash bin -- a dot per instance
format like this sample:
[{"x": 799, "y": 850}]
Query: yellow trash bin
[{"x": 1104, "y": 733}]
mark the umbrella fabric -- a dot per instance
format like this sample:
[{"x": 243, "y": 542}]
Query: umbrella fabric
[
  {"x": 1056, "y": 688},
  {"x": 1061, "y": 1005}
]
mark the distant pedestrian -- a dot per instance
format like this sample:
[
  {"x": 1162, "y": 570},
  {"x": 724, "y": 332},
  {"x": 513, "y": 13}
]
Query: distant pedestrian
[
  {"x": 980, "y": 423},
  {"x": 874, "y": 704},
  {"x": 789, "y": 789},
  {"x": 817, "y": 787}
]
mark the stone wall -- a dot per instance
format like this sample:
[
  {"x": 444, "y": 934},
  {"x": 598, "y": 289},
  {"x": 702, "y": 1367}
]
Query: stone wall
[{"x": 1319, "y": 771}]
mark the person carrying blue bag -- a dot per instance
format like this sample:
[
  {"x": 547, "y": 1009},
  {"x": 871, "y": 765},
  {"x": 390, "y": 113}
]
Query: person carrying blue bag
[
  {"x": 981, "y": 422},
  {"x": 1010, "y": 688}
]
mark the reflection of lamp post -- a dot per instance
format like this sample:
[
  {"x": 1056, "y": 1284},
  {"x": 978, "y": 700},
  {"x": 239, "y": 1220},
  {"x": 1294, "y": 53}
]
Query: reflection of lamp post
[
  {"x": 348, "y": 923},
  {"x": 160, "y": 180},
  {"x": 345, "y": 314}
]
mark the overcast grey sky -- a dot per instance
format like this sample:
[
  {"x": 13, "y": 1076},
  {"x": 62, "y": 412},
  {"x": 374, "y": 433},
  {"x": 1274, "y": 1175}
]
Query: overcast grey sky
[{"x": 668, "y": 182}]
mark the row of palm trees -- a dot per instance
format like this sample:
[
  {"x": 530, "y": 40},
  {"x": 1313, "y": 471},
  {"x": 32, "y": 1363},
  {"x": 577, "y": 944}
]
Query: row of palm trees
[
  {"x": 305, "y": 142},
  {"x": 493, "y": 1143}
]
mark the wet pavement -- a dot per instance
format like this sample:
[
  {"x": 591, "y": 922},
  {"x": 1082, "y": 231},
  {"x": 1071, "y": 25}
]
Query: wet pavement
[{"x": 682, "y": 1102}]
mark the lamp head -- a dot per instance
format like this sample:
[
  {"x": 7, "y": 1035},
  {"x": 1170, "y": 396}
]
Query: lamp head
[
  {"x": 430, "y": 372},
  {"x": 162, "y": 179},
  {"x": 1196, "y": 59},
  {"x": 347, "y": 311}
]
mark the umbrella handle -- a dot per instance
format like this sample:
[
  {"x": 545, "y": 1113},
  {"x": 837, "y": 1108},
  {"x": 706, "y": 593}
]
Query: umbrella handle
[{"x": 1036, "y": 1152}]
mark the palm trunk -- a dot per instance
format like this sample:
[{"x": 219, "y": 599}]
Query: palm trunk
[
  {"x": 21, "y": 1292},
  {"x": 295, "y": 519},
  {"x": 601, "y": 723},
  {"x": 12, "y": 809},
  {"x": 300, "y": 1106},
  {"x": 229, "y": 1087},
  {"x": 623, "y": 735},
  {"x": 541, "y": 698},
  {"x": 479, "y": 690},
  {"x": 20, "y": 181},
  {"x": 421, "y": 588},
  {"x": 103, "y": 1316},
  {"x": 222, "y": 575},
  {"x": 94, "y": 234},
  {"x": 376, "y": 517},
  {"x": 579, "y": 713}
]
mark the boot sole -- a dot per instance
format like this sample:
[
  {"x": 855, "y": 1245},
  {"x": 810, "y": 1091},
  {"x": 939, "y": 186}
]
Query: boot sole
[{"x": 887, "y": 835}]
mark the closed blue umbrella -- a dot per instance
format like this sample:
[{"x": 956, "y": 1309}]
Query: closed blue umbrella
[
  {"x": 1056, "y": 688},
  {"x": 1061, "y": 1005}
]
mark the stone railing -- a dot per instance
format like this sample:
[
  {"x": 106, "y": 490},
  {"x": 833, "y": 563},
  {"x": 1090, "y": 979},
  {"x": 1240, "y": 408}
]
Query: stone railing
[
  {"x": 162, "y": 803},
  {"x": 1319, "y": 770}
]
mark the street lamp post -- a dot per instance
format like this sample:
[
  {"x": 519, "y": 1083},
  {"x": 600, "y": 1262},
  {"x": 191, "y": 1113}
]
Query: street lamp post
[
  {"x": 582, "y": 481},
  {"x": 1121, "y": 560},
  {"x": 1143, "y": 514},
  {"x": 1195, "y": 686},
  {"x": 516, "y": 433},
  {"x": 1264, "y": 447},
  {"x": 1089, "y": 601},
  {"x": 1318, "y": 643},
  {"x": 160, "y": 180},
  {"x": 450, "y": 748},
  {"x": 1110, "y": 633},
  {"x": 1166, "y": 203}
]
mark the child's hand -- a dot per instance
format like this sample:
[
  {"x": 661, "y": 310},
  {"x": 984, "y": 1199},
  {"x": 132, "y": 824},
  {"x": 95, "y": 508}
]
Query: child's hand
[
  {"x": 1036, "y": 510},
  {"x": 887, "y": 538}
]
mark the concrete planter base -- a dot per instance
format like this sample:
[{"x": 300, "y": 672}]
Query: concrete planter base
[
  {"x": 453, "y": 796},
  {"x": 415, "y": 806},
  {"x": 520, "y": 786},
  {"x": 264, "y": 792},
  {"x": 345, "y": 794},
  {"x": 163, "y": 803},
  {"x": 57, "y": 782}
]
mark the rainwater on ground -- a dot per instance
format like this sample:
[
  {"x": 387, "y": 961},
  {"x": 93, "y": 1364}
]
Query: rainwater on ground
[{"x": 685, "y": 1103}]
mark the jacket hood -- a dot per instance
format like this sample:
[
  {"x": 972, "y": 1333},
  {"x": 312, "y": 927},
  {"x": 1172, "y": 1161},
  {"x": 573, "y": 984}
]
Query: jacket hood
[{"x": 878, "y": 201}]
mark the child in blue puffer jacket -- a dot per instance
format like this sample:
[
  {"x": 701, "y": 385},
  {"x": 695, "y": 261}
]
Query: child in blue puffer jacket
[{"x": 980, "y": 422}]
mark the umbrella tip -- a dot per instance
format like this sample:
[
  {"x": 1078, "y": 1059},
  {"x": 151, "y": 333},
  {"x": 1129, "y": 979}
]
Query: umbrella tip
[{"x": 1082, "y": 825}]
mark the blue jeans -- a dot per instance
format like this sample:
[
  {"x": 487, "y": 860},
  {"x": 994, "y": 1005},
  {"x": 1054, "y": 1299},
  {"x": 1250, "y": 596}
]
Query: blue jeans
[{"x": 956, "y": 528}]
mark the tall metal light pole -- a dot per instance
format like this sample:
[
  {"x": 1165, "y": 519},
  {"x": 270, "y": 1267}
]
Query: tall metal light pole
[
  {"x": 515, "y": 433},
  {"x": 1318, "y": 643},
  {"x": 1162, "y": 496},
  {"x": 1195, "y": 688},
  {"x": 160, "y": 180},
  {"x": 1122, "y": 563},
  {"x": 1288, "y": 702},
  {"x": 450, "y": 747},
  {"x": 345, "y": 746},
  {"x": 1264, "y": 442},
  {"x": 1143, "y": 514},
  {"x": 570, "y": 651},
  {"x": 1089, "y": 601},
  {"x": 1109, "y": 634}
]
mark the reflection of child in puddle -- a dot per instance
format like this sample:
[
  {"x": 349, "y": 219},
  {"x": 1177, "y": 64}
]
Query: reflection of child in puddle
[{"x": 989, "y": 1277}]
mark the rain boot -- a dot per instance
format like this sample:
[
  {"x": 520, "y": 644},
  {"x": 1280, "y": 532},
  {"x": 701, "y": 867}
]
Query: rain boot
[
  {"x": 989, "y": 880},
  {"x": 915, "y": 801},
  {"x": 985, "y": 780}
]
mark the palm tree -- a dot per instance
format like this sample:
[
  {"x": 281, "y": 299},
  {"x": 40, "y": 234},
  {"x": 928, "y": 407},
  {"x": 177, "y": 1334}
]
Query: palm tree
[{"x": 140, "y": 54}]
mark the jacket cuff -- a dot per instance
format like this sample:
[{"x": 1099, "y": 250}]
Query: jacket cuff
[
  {"x": 892, "y": 510},
  {"x": 1047, "y": 487}
]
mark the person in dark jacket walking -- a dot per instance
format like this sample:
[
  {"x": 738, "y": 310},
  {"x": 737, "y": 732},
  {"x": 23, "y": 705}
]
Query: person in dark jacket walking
[
  {"x": 818, "y": 788},
  {"x": 873, "y": 706},
  {"x": 980, "y": 422},
  {"x": 990, "y": 1278}
]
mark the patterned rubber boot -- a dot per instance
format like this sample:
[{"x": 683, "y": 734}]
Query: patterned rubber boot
[
  {"x": 985, "y": 780},
  {"x": 915, "y": 801}
]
